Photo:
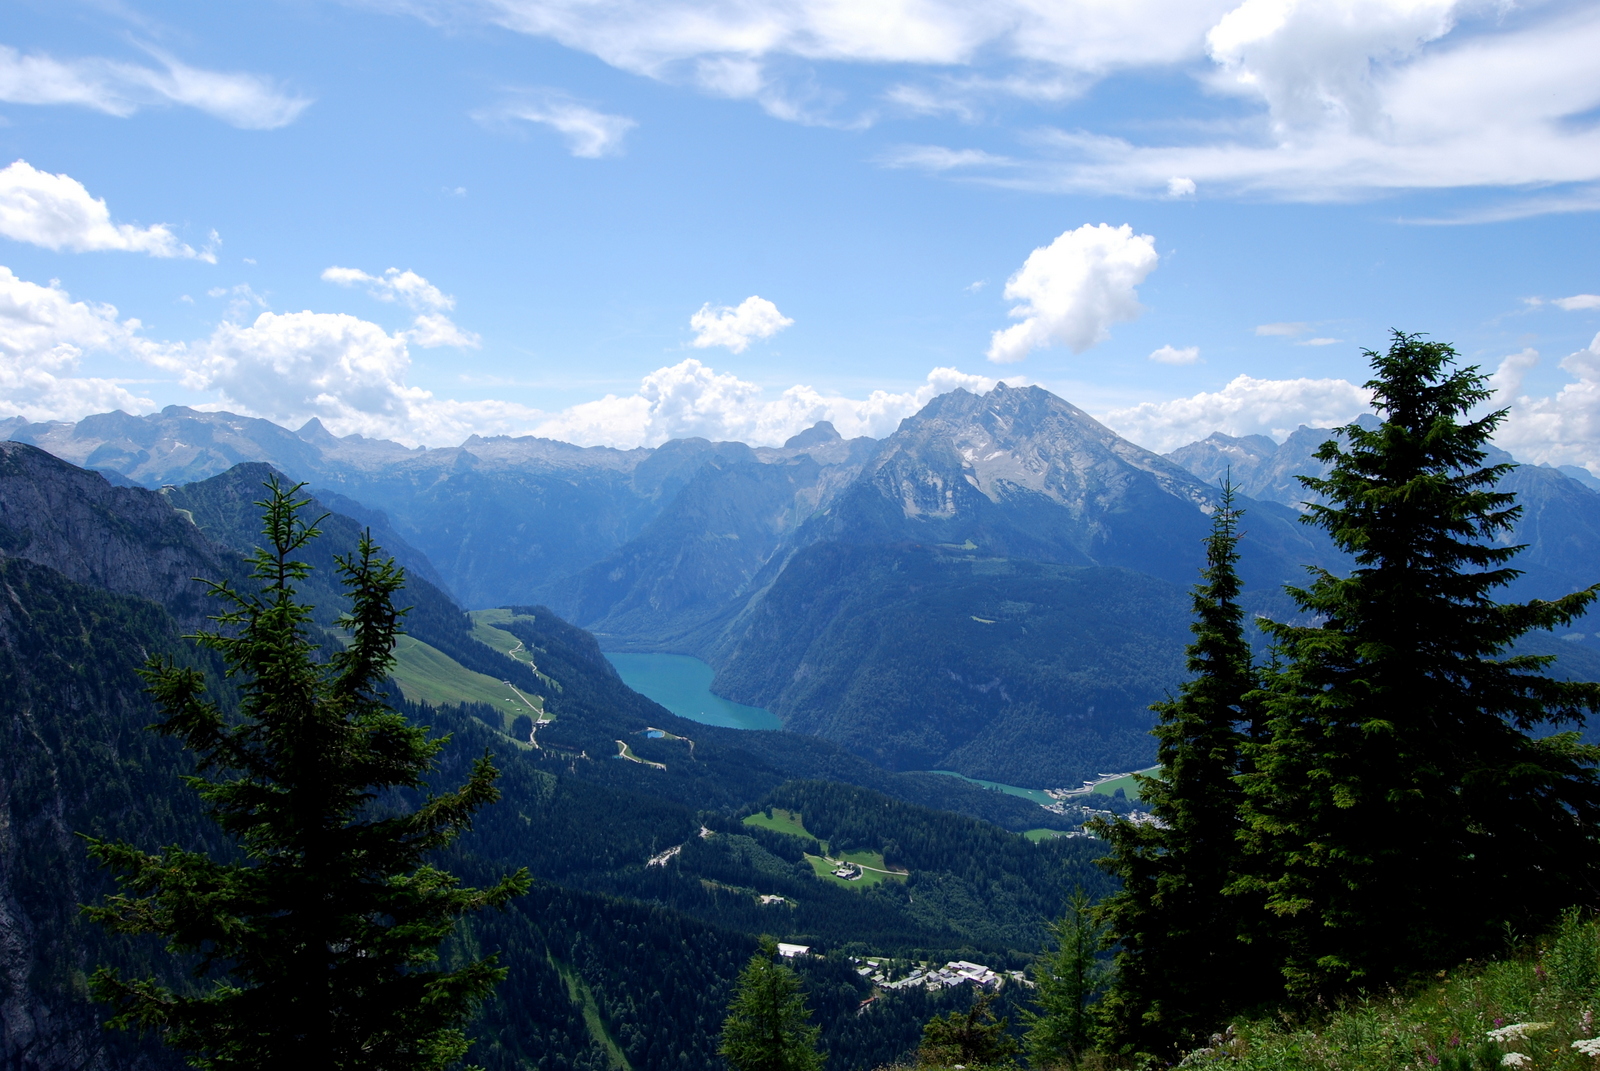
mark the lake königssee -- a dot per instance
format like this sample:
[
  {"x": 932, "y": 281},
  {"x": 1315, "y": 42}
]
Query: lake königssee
[{"x": 682, "y": 684}]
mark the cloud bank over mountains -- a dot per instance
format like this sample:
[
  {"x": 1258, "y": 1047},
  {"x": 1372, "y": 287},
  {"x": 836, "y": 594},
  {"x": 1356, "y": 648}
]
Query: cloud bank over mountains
[{"x": 353, "y": 375}]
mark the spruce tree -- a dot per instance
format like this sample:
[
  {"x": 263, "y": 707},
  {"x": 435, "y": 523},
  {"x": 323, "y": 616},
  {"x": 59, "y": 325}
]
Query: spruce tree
[
  {"x": 318, "y": 938},
  {"x": 973, "y": 1039},
  {"x": 1065, "y": 979},
  {"x": 768, "y": 1026},
  {"x": 1186, "y": 953},
  {"x": 1401, "y": 810}
]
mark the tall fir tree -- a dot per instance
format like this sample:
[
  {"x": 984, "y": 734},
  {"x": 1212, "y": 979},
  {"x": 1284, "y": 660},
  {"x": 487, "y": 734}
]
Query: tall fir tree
[
  {"x": 1401, "y": 810},
  {"x": 319, "y": 937},
  {"x": 769, "y": 1026},
  {"x": 1187, "y": 953},
  {"x": 1066, "y": 979}
]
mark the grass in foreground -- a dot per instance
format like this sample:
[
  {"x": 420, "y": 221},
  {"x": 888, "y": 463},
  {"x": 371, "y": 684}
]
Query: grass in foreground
[{"x": 1525, "y": 1012}]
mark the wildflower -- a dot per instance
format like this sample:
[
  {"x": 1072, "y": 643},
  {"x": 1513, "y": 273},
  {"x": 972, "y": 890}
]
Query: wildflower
[
  {"x": 1588, "y": 1046},
  {"x": 1517, "y": 1031},
  {"x": 1455, "y": 1041},
  {"x": 1514, "y": 1059},
  {"x": 1588, "y": 1020}
]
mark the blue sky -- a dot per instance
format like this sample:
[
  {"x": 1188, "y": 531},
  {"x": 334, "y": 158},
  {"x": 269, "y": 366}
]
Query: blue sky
[{"x": 561, "y": 186}]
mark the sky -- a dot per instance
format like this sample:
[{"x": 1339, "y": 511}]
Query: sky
[{"x": 617, "y": 222}]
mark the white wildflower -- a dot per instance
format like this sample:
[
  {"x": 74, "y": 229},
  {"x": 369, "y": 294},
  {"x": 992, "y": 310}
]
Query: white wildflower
[
  {"x": 1588, "y": 1046},
  {"x": 1514, "y": 1059},
  {"x": 1517, "y": 1031}
]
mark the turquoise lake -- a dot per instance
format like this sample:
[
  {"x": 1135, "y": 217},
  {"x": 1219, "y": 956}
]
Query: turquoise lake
[{"x": 682, "y": 684}]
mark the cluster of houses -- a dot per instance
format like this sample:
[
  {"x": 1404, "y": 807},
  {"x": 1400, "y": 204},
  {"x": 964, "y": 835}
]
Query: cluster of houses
[{"x": 955, "y": 973}]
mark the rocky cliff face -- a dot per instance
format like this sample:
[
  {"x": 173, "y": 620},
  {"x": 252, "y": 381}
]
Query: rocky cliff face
[{"x": 125, "y": 539}]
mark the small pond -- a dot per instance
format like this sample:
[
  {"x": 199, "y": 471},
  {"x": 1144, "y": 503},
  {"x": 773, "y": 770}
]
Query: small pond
[{"x": 682, "y": 684}]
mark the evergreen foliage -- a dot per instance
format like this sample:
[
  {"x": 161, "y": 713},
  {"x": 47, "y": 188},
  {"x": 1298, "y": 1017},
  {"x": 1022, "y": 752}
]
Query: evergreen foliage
[
  {"x": 1400, "y": 812},
  {"x": 1183, "y": 960},
  {"x": 318, "y": 933},
  {"x": 768, "y": 1026},
  {"x": 973, "y": 1039},
  {"x": 1066, "y": 981}
]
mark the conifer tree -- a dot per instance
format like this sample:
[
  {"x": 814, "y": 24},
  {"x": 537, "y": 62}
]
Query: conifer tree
[
  {"x": 973, "y": 1039},
  {"x": 1401, "y": 811},
  {"x": 1065, "y": 982},
  {"x": 769, "y": 1026},
  {"x": 317, "y": 939},
  {"x": 1185, "y": 956}
]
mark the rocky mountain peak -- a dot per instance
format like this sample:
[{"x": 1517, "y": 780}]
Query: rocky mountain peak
[
  {"x": 821, "y": 432},
  {"x": 1016, "y": 440}
]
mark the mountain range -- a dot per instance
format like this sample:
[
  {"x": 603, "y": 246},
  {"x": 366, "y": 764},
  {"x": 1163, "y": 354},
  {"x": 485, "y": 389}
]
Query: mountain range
[{"x": 997, "y": 588}]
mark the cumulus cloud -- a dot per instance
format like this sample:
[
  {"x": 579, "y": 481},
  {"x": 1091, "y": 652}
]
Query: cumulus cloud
[
  {"x": 432, "y": 327},
  {"x": 57, "y": 212},
  {"x": 589, "y": 133},
  {"x": 248, "y": 101},
  {"x": 1173, "y": 355},
  {"x": 690, "y": 399},
  {"x": 1578, "y": 301},
  {"x": 1180, "y": 187},
  {"x": 1074, "y": 289},
  {"x": 754, "y": 317},
  {"x": 43, "y": 336},
  {"x": 1561, "y": 429},
  {"x": 348, "y": 372},
  {"x": 1245, "y": 406}
]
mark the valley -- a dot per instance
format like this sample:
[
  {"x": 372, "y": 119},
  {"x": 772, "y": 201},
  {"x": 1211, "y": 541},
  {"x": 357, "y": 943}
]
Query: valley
[{"x": 860, "y": 695}]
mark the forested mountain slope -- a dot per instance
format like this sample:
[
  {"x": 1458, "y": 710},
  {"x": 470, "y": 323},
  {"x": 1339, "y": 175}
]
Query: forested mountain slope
[
  {"x": 921, "y": 658},
  {"x": 79, "y": 758}
]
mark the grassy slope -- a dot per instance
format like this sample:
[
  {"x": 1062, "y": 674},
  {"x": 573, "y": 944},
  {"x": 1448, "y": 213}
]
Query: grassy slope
[
  {"x": 427, "y": 675},
  {"x": 1447, "y": 1024},
  {"x": 789, "y": 822}
]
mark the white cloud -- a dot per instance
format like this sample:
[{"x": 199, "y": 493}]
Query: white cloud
[
  {"x": 1288, "y": 330},
  {"x": 590, "y": 134},
  {"x": 348, "y": 372},
  {"x": 1172, "y": 355},
  {"x": 116, "y": 88},
  {"x": 1074, "y": 289},
  {"x": 1318, "y": 341},
  {"x": 755, "y": 317},
  {"x": 1561, "y": 429},
  {"x": 1245, "y": 406},
  {"x": 1578, "y": 301},
  {"x": 691, "y": 399},
  {"x": 1355, "y": 97},
  {"x": 1313, "y": 63},
  {"x": 671, "y": 39},
  {"x": 57, "y": 212},
  {"x": 43, "y": 336},
  {"x": 432, "y": 327},
  {"x": 1180, "y": 187},
  {"x": 407, "y": 286},
  {"x": 1331, "y": 98}
]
